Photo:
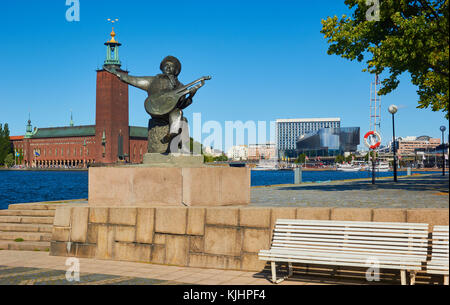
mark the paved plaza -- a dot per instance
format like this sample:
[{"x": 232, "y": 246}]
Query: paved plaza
[
  {"x": 420, "y": 191},
  {"x": 39, "y": 268}
]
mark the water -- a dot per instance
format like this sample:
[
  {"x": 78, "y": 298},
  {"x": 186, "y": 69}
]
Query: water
[{"x": 37, "y": 186}]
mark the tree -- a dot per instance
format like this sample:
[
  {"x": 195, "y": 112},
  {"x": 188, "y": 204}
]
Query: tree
[
  {"x": 349, "y": 158},
  {"x": 5, "y": 143},
  {"x": 9, "y": 160},
  {"x": 300, "y": 159},
  {"x": 339, "y": 159},
  {"x": 410, "y": 36}
]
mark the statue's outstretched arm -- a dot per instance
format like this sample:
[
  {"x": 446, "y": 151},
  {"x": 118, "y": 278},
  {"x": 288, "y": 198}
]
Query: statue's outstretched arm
[{"x": 138, "y": 82}]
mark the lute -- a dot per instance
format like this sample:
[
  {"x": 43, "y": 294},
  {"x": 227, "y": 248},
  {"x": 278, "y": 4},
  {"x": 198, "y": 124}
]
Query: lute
[{"x": 164, "y": 102}]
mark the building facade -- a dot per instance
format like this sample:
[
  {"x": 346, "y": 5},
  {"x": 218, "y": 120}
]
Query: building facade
[
  {"x": 289, "y": 130},
  {"x": 262, "y": 151},
  {"x": 408, "y": 145},
  {"x": 238, "y": 153},
  {"x": 110, "y": 140},
  {"x": 329, "y": 142}
]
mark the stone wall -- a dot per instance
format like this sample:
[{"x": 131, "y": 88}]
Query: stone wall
[{"x": 206, "y": 237}]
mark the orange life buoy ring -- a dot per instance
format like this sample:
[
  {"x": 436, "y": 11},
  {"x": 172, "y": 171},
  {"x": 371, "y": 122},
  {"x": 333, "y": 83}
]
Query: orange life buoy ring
[{"x": 372, "y": 133}]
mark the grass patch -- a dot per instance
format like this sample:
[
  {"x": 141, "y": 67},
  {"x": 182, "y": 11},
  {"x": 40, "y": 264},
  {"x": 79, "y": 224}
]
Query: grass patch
[{"x": 19, "y": 240}]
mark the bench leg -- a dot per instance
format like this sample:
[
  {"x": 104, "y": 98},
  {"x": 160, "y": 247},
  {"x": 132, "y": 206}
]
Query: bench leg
[
  {"x": 290, "y": 270},
  {"x": 412, "y": 277},
  {"x": 403, "y": 276},
  {"x": 446, "y": 280},
  {"x": 274, "y": 274}
]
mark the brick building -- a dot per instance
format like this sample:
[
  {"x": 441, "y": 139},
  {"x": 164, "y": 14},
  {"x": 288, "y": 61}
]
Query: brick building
[
  {"x": 262, "y": 151},
  {"x": 110, "y": 140},
  {"x": 408, "y": 145}
]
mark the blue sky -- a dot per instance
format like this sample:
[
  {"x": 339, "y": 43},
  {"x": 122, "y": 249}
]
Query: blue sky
[{"x": 268, "y": 60}]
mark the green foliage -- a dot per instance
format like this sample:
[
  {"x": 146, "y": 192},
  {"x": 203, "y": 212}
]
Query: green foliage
[
  {"x": 5, "y": 143},
  {"x": 411, "y": 36},
  {"x": 339, "y": 159},
  {"x": 197, "y": 145},
  {"x": 370, "y": 154},
  {"x": 349, "y": 158},
  {"x": 301, "y": 159},
  {"x": 9, "y": 160},
  {"x": 209, "y": 159}
]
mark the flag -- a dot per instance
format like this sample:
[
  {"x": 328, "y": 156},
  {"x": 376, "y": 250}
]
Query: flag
[
  {"x": 37, "y": 154},
  {"x": 306, "y": 158}
]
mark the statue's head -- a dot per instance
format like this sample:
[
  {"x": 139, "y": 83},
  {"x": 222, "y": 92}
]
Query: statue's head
[{"x": 171, "y": 65}]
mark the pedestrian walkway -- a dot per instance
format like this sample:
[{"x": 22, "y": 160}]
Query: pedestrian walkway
[
  {"x": 39, "y": 268},
  {"x": 423, "y": 191}
]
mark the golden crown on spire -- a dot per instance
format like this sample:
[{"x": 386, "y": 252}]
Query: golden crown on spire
[{"x": 113, "y": 34}]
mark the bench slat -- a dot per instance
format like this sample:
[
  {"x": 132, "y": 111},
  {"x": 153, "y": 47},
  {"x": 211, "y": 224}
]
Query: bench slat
[
  {"x": 364, "y": 224},
  {"x": 347, "y": 229},
  {"x": 349, "y": 264},
  {"x": 350, "y": 249},
  {"x": 336, "y": 255},
  {"x": 351, "y": 239}
]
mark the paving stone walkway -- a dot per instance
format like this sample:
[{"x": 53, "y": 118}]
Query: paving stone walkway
[
  {"x": 424, "y": 191},
  {"x": 39, "y": 268}
]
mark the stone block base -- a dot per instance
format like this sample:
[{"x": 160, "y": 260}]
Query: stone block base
[
  {"x": 154, "y": 186},
  {"x": 201, "y": 237},
  {"x": 172, "y": 160}
]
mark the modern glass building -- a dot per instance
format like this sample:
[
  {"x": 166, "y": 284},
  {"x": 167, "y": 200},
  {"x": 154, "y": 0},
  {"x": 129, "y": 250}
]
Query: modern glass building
[
  {"x": 329, "y": 142},
  {"x": 289, "y": 130}
]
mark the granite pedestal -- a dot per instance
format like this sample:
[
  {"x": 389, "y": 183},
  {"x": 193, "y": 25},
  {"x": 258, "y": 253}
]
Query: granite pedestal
[{"x": 182, "y": 182}]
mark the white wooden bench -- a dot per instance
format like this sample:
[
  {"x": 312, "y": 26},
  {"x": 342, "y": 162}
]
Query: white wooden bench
[
  {"x": 439, "y": 253},
  {"x": 400, "y": 246}
]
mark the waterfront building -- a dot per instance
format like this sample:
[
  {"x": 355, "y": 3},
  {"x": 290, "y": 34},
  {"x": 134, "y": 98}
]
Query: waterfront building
[
  {"x": 238, "y": 153},
  {"x": 408, "y": 145},
  {"x": 329, "y": 142},
  {"x": 110, "y": 140},
  {"x": 262, "y": 151},
  {"x": 289, "y": 130},
  {"x": 209, "y": 151}
]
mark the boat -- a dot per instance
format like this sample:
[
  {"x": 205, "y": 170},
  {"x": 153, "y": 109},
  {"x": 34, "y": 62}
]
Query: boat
[
  {"x": 348, "y": 167},
  {"x": 266, "y": 165},
  {"x": 379, "y": 167}
]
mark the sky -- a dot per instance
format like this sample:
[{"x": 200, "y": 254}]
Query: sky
[{"x": 268, "y": 61}]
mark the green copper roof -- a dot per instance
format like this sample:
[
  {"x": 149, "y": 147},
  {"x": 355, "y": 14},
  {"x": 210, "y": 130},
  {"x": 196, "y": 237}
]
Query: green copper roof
[
  {"x": 60, "y": 132},
  {"x": 138, "y": 132}
]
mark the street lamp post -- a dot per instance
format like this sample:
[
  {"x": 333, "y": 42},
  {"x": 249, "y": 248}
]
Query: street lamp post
[
  {"x": 443, "y": 129},
  {"x": 393, "y": 110}
]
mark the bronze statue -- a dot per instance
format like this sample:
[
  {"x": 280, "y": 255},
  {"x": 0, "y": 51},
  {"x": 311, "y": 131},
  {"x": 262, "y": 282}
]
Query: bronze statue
[{"x": 167, "y": 97}]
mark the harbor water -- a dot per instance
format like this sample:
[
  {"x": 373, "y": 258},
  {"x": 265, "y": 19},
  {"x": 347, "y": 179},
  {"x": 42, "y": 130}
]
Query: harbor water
[{"x": 38, "y": 186}]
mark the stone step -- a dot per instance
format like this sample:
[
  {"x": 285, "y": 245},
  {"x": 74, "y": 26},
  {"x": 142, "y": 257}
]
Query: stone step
[
  {"x": 28, "y": 206},
  {"x": 26, "y": 219},
  {"x": 45, "y": 206},
  {"x": 21, "y": 227},
  {"x": 25, "y": 246},
  {"x": 49, "y": 213},
  {"x": 26, "y": 236}
]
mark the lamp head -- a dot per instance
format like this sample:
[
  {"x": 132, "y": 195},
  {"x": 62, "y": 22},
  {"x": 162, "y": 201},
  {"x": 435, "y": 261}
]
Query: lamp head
[
  {"x": 443, "y": 128},
  {"x": 393, "y": 109}
]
